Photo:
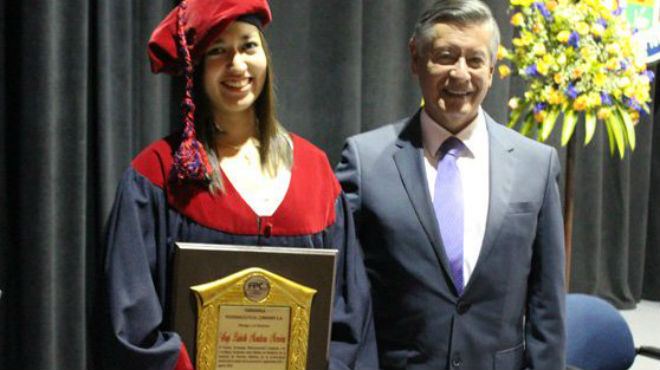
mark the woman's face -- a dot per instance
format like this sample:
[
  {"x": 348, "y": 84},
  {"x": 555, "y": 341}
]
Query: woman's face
[{"x": 235, "y": 69}]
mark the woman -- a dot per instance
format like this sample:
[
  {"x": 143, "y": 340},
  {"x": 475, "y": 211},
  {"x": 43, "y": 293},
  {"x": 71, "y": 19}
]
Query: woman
[{"x": 240, "y": 178}]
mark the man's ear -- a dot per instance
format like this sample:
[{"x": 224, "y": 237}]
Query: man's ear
[
  {"x": 414, "y": 55},
  {"x": 490, "y": 75}
]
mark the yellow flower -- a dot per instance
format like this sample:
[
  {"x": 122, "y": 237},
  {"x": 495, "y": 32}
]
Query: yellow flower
[
  {"x": 542, "y": 67},
  {"x": 551, "y": 5},
  {"x": 629, "y": 91},
  {"x": 587, "y": 53},
  {"x": 634, "y": 115},
  {"x": 555, "y": 97},
  {"x": 603, "y": 113},
  {"x": 549, "y": 59},
  {"x": 523, "y": 3},
  {"x": 582, "y": 28},
  {"x": 580, "y": 103},
  {"x": 513, "y": 103},
  {"x": 561, "y": 60},
  {"x": 613, "y": 49},
  {"x": 537, "y": 27},
  {"x": 625, "y": 81},
  {"x": 527, "y": 37},
  {"x": 612, "y": 64},
  {"x": 642, "y": 93},
  {"x": 593, "y": 99},
  {"x": 563, "y": 36},
  {"x": 609, "y": 5},
  {"x": 540, "y": 116},
  {"x": 517, "y": 42},
  {"x": 517, "y": 19},
  {"x": 597, "y": 29},
  {"x": 625, "y": 44},
  {"x": 558, "y": 78},
  {"x": 576, "y": 73},
  {"x": 504, "y": 70},
  {"x": 600, "y": 79},
  {"x": 539, "y": 49},
  {"x": 502, "y": 52},
  {"x": 606, "y": 14}
]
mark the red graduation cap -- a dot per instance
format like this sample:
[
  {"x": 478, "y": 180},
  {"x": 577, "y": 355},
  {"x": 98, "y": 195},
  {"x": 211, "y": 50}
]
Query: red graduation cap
[
  {"x": 178, "y": 43},
  {"x": 202, "y": 21}
]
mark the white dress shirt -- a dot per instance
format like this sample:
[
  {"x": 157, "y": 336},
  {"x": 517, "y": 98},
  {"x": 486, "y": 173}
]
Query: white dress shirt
[{"x": 473, "y": 167}]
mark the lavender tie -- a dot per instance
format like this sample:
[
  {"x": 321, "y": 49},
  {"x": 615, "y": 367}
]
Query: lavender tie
[{"x": 448, "y": 206}]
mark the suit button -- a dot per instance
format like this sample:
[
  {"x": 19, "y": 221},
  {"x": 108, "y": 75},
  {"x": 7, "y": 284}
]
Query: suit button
[
  {"x": 456, "y": 360},
  {"x": 462, "y": 307}
]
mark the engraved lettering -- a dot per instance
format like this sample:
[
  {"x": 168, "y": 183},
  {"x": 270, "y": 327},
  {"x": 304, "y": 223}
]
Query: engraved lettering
[
  {"x": 275, "y": 338},
  {"x": 240, "y": 337},
  {"x": 224, "y": 337},
  {"x": 258, "y": 338}
]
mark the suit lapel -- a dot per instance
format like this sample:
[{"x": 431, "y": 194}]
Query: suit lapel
[
  {"x": 409, "y": 160},
  {"x": 501, "y": 171}
]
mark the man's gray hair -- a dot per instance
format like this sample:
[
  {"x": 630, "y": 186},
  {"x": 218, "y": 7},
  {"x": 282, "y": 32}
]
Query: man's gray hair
[{"x": 462, "y": 12}]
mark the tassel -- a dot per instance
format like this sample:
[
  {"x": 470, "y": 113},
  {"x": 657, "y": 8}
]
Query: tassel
[{"x": 191, "y": 161}]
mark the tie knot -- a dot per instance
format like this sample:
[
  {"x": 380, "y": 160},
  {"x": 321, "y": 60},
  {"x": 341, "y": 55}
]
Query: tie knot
[{"x": 452, "y": 146}]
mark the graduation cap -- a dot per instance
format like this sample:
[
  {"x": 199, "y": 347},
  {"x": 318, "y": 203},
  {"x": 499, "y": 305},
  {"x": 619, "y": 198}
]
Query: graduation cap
[{"x": 178, "y": 43}]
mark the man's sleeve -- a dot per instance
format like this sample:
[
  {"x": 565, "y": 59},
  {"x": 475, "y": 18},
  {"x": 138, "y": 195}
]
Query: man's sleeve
[
  {"x": 545, "y": 335},
  {"x": 349, "y": 175}
]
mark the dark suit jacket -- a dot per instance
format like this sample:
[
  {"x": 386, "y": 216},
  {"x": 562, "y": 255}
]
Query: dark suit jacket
[{"x": 511, "y": 314}]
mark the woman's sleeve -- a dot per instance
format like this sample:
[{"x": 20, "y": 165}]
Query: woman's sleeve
[
  {"x": 135, "y": 274},
  {"x": 353, "y": 337}
]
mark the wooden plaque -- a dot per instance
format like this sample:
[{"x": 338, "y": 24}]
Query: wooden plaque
[{"x": 254, "y": 305}]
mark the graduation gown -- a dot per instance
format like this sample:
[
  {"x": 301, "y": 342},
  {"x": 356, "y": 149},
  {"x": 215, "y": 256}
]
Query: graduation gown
[{"x": 151, "y": 212}]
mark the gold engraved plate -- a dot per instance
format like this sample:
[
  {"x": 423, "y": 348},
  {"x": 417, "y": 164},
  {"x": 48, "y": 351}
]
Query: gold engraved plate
[
  {"x": 250, "y": 336},
  {"x": 252, "y": 319}
]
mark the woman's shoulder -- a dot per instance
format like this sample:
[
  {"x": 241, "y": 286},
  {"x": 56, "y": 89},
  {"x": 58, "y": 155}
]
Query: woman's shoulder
[
  {"x": 155, "y": 161},
  {"x": 308, "y": 152},
  {"x": 313, "y": 164}
]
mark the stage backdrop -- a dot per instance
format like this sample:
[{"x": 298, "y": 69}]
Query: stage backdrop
[{"x": 77, "y": 102}]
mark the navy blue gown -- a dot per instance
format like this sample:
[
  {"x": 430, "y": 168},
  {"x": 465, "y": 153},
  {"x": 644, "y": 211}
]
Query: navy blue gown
[{"x": 151, "y": 213}]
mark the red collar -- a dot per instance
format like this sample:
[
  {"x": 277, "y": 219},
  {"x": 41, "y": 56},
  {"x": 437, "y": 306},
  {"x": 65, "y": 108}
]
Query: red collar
[{"x": 307, "y": 208}]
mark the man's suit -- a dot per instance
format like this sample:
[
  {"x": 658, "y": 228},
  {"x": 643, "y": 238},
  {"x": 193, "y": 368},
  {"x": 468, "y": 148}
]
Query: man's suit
[{"x": 511, "y": 312}]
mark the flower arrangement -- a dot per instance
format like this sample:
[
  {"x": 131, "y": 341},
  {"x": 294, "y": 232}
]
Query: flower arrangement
[{"x": 577, "y": 58}]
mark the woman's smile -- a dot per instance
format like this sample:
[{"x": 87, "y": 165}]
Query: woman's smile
[{"x": 237, "y": 84}]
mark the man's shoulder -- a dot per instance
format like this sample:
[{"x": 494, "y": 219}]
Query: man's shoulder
[
  {"x": 384, "y": 134},
  {"x": 516, "y": 139}
]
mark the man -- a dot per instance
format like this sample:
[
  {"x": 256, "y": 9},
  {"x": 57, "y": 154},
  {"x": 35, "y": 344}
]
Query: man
[{"x": 459, "y": 217}]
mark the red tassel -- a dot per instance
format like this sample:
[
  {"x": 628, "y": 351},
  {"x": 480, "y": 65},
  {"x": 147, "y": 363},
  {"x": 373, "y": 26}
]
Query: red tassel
[{"x": 191, "y": 161}]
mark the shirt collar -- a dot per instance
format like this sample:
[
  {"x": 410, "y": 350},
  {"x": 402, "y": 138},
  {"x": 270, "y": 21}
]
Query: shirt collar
[{"x": 474, "y": 136}]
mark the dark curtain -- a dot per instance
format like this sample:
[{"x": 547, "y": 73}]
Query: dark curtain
[{"x": 77, "y": 102}]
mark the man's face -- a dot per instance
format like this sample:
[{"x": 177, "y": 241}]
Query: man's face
[{"x": 455, "y": 71}]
